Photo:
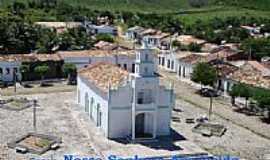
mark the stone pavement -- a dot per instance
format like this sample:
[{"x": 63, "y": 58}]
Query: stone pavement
[
  {"x": 164, "y": 147},
  {"x": 221, "y": 108}
]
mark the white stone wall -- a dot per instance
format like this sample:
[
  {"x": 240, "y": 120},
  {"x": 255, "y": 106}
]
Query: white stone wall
[
  {"x": 184, "y": 70},
  {"x": 120, "y": 112},
  {"x": 82, "y": 89},
  {"x": 165, "y": 105},
  {"x": 170, "y": 62}
]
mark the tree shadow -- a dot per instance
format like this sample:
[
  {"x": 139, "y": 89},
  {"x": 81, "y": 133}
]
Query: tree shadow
[
  {"x": 245, "y": 111},
  {"x": 161, "y": 143},
  {"x": 265, "y": 120}
]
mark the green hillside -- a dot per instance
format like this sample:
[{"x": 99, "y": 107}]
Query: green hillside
[
  {"x": 178, "y": 8},
  {"x": 159, "y": 5}
]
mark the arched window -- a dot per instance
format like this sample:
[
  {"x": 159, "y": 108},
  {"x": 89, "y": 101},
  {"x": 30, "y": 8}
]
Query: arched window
[
  {"x": 99, "y": 114},
  {"x": 91, "y": 107},
  {"x": 86, "y": 98},
  {"x": 79, "y": 96}
]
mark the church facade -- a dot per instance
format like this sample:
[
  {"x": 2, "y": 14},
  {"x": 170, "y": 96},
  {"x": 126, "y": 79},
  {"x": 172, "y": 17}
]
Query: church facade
[{"x": 124, "y": 104}]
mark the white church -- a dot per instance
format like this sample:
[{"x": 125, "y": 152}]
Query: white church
[{"x": 124, "y": 104}]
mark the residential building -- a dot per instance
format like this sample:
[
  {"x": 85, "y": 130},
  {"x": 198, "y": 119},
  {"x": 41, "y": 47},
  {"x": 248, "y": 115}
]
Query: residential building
[
  {"x": 155, "y": 39},
  {"x": 60, "y": 26},
  {"x": 133, "y": 33},
  {"x": 188, "y": 39},
  {"x": 225, "y": 70},
  {"x": 123, "y": 104},
  {"x": 186, "y": 65},
  {"x": 168, "y": 60},
  {"x": 252, "y": 73},
  {"x": 124, "y": 59},
  {"x": 102, "y": 45},
  {"x": 10, "y": 64},
  {"x": 100, "y": 29}
]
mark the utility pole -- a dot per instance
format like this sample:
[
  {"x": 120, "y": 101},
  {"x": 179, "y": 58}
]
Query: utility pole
[
  {"x": 15, "y": 79},
  {"x": 34, "y": 115},
  {"x": 210, "y": 108},
  {"x": 250, "y": 54}
]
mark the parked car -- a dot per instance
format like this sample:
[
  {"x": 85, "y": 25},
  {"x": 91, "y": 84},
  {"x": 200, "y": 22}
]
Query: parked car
[{"x": 207, "y": 92}]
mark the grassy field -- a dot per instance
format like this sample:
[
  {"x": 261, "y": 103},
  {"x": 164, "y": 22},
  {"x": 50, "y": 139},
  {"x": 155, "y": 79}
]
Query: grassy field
[{"x": 181, "y": 8}]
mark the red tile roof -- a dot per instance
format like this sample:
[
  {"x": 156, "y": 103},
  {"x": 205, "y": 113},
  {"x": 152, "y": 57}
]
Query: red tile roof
[
  {"x": 193, "y": 59},
  {"x": 29, "y": 57},
  {"x": 95, "y": 53},
  {"x": 252, "y": 73},
  {"x": 104, "y": 75}
]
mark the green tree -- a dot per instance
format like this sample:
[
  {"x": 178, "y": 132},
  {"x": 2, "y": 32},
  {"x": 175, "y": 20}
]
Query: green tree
[
  {"x": 198, "y": 3},
  {"x": 104, "y": 37},
  {"x": 17, "y": 8},
  {"x": 24, "y": 69},
  {"x": 70, "y": 70},
  {"x": 256, "y": 48},
  {"x": 204, "y": 74},
  {"x": 194, "y": 47},
  {"x": 41, "y": 70},
  {"x": 262, "y": 97},
  {"x": 241, "y": 90},
  {"x": 47, "y": 41}
]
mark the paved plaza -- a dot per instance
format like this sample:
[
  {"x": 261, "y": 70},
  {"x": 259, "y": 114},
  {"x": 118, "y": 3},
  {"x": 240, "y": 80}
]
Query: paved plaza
[{"x": 58, "y": 115}]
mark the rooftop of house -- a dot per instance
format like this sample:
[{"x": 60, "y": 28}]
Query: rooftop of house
[
  {"x": 252, "y": 73},
  {"x": 188, "y": 39},
  {"x": 59, "y": 24},
  {"x": 232, "y": 46},
  {"x": 266, "y": 64},
  {"x": 250, "y": 27},
  {"x": 224, "y": 53},
  {"x": 29, "y": 57},
  {"x": 148, "y": 31},
  {"x": 95, "y": 53},
  {"x": 101, "y": 26},
  {"x": 104, "y": 75},
  {"x": 158, "y": 35},
  {"x": 102, "y": 45},
  {"x": 136, "y": 29},
  {"x": 181, "y": 54},
  {"x": 209, "y": 47},
  {"x": 225, "y": 69},
  {"x": 192, "y": 59}
]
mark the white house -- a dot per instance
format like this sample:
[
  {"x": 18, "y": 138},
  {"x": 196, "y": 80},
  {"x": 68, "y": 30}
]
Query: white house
[
  {"x": 122, "y": 58},
  {"x": 100, "y": 29},
  {"x": 8, "y": 70},
  {"x": 168, "y": 60},
  {"x": 124, "y": 104},
  {"x": 155, "y": 40},
  {"x": 133, "y": 33},
  {"x": 10, "y": 64}
]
